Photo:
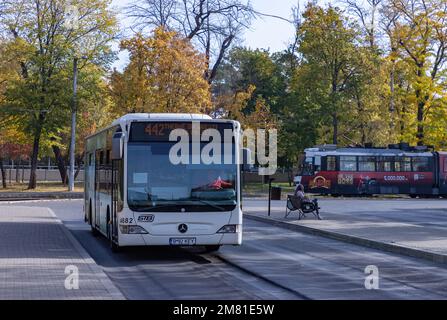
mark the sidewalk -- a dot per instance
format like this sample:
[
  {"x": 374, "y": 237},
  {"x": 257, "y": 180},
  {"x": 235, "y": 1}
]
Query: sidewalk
[
  {"x": 35, "y": 249},
  {"x": 416, "y": 228}
]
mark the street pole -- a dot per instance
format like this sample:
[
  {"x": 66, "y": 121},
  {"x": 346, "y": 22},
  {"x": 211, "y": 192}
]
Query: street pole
[
  {"x": 270, "y": 193},
  {"x": 73, "y": 127}
]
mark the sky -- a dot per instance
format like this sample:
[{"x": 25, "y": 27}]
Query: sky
[{"x": 265, "y": 32}]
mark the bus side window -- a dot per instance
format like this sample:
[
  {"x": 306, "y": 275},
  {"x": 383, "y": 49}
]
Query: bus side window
[
  {"x": 118, "y": 180},
  {"x": 108, "y": 173}
]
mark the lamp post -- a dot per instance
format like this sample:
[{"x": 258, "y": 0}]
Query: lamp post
[
  {"x": 71, "y": 172},
  {"x": 73, "y": 126}
]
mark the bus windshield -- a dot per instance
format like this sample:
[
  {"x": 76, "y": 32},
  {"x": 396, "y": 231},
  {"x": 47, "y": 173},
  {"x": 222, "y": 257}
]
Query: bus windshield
[{"x": 155, "y": 184}]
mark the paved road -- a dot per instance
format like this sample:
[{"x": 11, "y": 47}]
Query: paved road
[{"x": 273, "y": 263}]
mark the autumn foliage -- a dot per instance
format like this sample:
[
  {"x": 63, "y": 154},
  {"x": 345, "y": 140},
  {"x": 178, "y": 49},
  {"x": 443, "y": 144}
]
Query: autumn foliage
[{"x": 165, "y": 74}]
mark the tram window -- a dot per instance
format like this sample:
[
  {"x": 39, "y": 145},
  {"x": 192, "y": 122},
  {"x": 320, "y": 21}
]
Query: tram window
[
  {"x": 331, "y": 163},
  {"x": 108, "y": 161},
  {"x": 308, "y": 167},
  {"x": 348, "y": 163},
  {"x": 384, "y": 164},
  {"x": 317, "y": 163},
  {"x": 421, "y": 164},
  {"x": 445, "y": 165},
  {"x": 101, "y": 157},
  {"x": 367, "y": 163},
  {"x": 402, "y": 164}
]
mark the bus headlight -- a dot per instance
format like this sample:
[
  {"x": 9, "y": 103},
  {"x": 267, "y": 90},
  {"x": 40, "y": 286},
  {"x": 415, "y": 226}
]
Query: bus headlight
[
  {"x": 229, "y": 228},
  {"x": 132, "y": 229}
]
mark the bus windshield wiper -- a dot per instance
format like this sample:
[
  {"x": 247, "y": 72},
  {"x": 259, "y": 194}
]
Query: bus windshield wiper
[
  {"x": 215, "y": 206},
  {"x": 151, "y": 208}
]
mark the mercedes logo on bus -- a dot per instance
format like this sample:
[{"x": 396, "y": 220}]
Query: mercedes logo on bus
[{"x": 182, "y": 228}]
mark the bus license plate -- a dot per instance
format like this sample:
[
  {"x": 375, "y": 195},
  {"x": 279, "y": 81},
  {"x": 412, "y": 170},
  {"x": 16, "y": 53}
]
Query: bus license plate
[{"x": 182, "y": 241}]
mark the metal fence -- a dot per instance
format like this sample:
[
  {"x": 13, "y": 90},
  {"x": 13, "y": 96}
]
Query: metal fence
[{"x": 22, "y": 174}]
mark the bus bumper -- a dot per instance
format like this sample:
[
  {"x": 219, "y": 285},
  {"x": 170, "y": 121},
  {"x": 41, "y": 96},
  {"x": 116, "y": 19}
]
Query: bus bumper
[{"x": 151, "y": 240}]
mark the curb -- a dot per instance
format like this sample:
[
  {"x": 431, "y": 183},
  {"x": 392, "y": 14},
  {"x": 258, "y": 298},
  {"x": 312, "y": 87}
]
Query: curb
[
  {"x": 383, "y": 246},
  {"x": 114, "y": 292}
]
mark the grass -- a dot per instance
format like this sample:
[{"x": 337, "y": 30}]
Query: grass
[
  {"x": 41, "y": 187},
  {"x": 261, "y": 190}
]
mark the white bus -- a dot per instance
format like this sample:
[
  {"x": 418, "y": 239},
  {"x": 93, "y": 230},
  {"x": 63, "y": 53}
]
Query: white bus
[{"x": 136, "y": 196}]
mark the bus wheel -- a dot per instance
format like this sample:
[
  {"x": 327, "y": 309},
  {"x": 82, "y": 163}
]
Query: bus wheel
[
  {"x": 95, "y": 232},
  {"x": 114, "y": 247},
  {"x": 213, "y": 248}
]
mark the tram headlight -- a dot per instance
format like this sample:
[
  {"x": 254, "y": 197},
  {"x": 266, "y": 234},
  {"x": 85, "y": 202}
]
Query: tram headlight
[
  {"x": 132, "y": 229},
  {"x": 229, "y": 228}
]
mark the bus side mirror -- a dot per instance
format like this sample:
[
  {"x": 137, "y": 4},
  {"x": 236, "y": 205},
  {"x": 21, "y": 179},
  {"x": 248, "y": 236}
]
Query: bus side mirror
[
  {"x": 247, "y": 160},
  {"x": 117, "y": 146}
]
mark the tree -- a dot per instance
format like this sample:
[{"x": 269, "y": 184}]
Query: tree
[
  {"x": 94, "y": 105},
  {"x": 213, "y": 25},
  {"x": 13, "y": 144},
  {"x": 327, "y": 46},
  {"x": 165, "y": 74},
  {"x": 367, "y": 15},
  {"x": 420, "y": 31},
  {"x": 44, "y": 45}
]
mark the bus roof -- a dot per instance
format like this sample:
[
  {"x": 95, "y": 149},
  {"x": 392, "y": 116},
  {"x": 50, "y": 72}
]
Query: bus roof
[
  {"x": 160, "y": 116},
  {"x": 122, "y": 121}
]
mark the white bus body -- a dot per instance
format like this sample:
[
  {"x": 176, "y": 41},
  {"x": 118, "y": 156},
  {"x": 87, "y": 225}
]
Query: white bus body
[{"x": 139, "y": 198}]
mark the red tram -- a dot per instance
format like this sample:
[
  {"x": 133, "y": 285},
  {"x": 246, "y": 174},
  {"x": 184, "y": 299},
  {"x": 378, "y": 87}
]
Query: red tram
[{"x": 398, "y": 169}]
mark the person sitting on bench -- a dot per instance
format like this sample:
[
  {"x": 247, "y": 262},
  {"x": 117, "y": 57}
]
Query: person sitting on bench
[{"x": 299, "y": 192}]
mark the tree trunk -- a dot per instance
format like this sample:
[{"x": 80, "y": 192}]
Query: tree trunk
[
  {"x": 18, "y": 171},
  {"x": 361, "y": 112},
  {"x": 60, "y": 164},
  {"x": 392, "y": 101},
  {"x": 2, "y": 169},
  {"x": 420, "y": 112},
  {"x": 335, "y": 127},
  {"x": 334, "y": 106},
  {"x": 36, "y": 143},
  {"x": 78, "y": 163},
  {"x": 420, "y": 119},
  {"x": 290, "y": 176}
]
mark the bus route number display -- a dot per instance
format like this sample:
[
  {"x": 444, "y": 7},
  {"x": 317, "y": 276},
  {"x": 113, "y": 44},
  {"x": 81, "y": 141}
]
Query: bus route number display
[{"x": 160, "y": 131}]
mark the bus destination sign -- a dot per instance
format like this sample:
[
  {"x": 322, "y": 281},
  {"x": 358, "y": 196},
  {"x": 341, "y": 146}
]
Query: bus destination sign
[{"x": 160, "y": 131}]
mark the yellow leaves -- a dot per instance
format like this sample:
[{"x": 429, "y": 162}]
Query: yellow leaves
[
  {"x": 165, "y": 74},
  {"x": 233, "y": 106},
  {"x": 262, "y": 117}
]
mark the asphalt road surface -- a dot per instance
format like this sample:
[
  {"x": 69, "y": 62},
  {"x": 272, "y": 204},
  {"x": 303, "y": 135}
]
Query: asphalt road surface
[{"x": 272, "y": 263}]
